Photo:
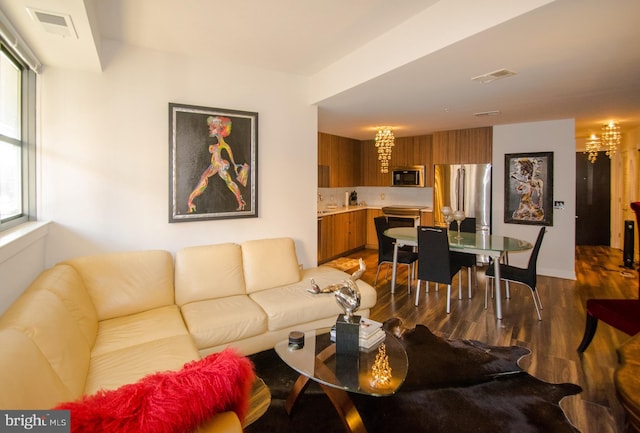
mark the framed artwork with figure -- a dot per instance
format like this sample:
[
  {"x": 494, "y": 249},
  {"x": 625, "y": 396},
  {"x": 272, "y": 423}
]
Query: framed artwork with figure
[
  {"x": 528, "y": 188},
  {"x": 212, "y": 163}
]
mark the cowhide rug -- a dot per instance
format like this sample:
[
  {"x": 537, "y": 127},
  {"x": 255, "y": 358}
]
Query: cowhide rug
[{"x": 452, "y": 386}]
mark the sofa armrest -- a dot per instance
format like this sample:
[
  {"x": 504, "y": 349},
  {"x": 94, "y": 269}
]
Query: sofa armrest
[{"x": 225, "y": 422}]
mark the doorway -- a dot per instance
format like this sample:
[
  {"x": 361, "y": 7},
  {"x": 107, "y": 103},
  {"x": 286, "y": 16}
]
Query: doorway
[{"x": 593, "y": 200}]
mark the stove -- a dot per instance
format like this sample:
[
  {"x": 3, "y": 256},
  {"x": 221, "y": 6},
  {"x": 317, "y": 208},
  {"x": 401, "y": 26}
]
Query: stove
[
  {"x": 409, "y": 211},
  {"x": 403, "y": 216}
]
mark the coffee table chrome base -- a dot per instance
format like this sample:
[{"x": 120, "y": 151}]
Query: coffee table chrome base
[{"x": 347, "y": 411}]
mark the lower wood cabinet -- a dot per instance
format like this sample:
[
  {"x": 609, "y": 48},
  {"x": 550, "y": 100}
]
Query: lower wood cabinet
[
  {"x": 341, "y": 233},
  {"x": 426, "y": 218},
  {"x": 372, "y": 235},
  {"x": 325, "y": 231}
]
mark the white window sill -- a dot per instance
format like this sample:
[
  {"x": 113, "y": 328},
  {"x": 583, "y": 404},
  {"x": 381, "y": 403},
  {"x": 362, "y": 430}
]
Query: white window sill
[{"x": 16, "y": 239}]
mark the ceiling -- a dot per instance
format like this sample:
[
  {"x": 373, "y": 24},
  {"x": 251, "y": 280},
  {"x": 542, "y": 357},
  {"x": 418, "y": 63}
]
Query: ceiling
[{"x": 573, "y": 58}]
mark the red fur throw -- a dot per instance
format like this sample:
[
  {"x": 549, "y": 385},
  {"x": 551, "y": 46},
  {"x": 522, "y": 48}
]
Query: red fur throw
[{"x": 171, "y": 401}]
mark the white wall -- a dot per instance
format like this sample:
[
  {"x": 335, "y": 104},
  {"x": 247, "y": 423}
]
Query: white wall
[
  {"x": 22, "y": 251},
  {"x": 104, "y": 163},
  {"x": 557, "y": 254}
]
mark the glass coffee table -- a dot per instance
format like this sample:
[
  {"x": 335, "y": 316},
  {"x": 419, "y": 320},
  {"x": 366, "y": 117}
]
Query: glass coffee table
[{"x": 339, "y": 375}]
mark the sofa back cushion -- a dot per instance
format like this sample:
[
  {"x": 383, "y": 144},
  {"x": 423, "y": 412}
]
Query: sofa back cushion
[
  {"x": 208, "y": 272},
  {"x": 269, "y": 263},
  {"x": 67, "y": 285},
  {"x": 127, "y": 283}
]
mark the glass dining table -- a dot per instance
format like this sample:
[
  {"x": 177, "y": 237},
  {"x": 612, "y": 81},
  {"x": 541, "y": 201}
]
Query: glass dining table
[{"x": 481, "y": 242}]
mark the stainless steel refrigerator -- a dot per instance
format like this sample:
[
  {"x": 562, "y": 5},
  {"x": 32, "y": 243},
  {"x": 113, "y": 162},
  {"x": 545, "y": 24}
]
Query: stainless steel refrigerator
[{"x": 464, "y": 187}]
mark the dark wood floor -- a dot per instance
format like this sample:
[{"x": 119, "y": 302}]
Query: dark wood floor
[{"x": 552, "y": 341}]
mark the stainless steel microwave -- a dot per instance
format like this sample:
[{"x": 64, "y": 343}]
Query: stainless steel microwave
[{"x": 408, "y": 176}]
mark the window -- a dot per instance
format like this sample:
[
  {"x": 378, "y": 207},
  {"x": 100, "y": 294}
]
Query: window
[{"x": 17, "y": 133}]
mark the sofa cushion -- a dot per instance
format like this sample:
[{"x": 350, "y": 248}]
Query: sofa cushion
[
  {"x": 291, "y": 305},
  {"x": 132, "y": 330},
  {"x": 169, "y": 401},
  {"x": 67, "y": 285},
  {"x": 219, "y": 321},
  {"x": 41, "y": 316},
  {"x": 128, "y": 282},
  {"x": 116, "y": 368},
  {"x": 269, "y": 263},
  {"x": 27, "y": 380},
  {"x": 208, "y": 272}
]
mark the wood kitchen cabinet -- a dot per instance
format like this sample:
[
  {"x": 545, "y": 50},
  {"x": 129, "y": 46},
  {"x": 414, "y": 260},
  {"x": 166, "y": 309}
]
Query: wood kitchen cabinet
[
  {"x": 463, "y": 146},
  {"x": 341, "y": 233},
  {"x": 351, "y": 231},
  {"x": 339, "y": 162},
  {"x": 426, "y": 218},
  {"x": 372, "y": 235},
  {"x": 325, "y": 238},
  {"x": 371, "y": 175},
  {"x": 407, "y": 151}
]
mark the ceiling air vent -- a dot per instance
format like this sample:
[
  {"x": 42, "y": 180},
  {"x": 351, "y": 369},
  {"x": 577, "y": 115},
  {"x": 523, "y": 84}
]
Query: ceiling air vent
[
  {"x": 487, "y": 113},
  {"x": 53, "y": 22},
  {"x": 495, "y": 75}
]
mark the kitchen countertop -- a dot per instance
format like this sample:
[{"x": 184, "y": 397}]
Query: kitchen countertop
[{"x": 342, "y": 209}]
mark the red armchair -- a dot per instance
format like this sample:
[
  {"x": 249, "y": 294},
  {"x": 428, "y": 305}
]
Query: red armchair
[{"x": 622, "y": 314}]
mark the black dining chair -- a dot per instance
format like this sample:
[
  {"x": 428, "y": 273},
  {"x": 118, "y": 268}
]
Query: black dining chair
[
  {"x": 435, "y": 262},
  {"x": 466, "y": 260},
  {"x": 526, "y": 276},
  {"x": 385, "y": 251}
]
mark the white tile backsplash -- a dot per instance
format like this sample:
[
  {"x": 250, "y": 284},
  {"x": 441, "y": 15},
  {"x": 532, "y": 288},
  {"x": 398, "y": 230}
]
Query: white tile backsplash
[{"x": 378, "y": 196}]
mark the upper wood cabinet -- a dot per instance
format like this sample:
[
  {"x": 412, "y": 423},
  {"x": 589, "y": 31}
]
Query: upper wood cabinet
[
  {"x": 345, "y": 162},
  {"x": 407, "y": 151},
  {"x": 463, "y": 146},
  {"x": 339, "y": 162},
  {"x": 371, "y": 175}
]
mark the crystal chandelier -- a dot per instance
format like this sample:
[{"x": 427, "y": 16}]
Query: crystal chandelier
[
  {"x": 610, "y": 138},
  {"x": 592, "y": 147},
  {"x": 384, "y": 143}
]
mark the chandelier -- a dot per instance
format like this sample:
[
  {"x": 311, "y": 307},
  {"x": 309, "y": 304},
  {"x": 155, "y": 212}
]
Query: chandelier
[
  {"x": 592, "y": 147},
  {"x": 610, "y": 138},
  {"x": 384, "y": 143}
]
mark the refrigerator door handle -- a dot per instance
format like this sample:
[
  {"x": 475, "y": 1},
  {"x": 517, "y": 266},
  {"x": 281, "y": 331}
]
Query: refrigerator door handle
[
  {"x": 457, "y": 189},
  {"x": 463, "y": 192}
]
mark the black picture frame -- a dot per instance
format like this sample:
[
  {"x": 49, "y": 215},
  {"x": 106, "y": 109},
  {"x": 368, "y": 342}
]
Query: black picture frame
[
  {"x": 528, "y": 188},
  {"x": 213, "y": 163}
]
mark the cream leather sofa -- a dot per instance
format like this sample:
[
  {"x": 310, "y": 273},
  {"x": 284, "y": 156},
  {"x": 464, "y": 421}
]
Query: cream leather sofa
[{"x": 103, "y": 321}]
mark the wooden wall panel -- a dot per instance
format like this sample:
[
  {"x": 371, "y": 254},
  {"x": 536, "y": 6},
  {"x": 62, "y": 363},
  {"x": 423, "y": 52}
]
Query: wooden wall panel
[{"x": 463, "y": 146}]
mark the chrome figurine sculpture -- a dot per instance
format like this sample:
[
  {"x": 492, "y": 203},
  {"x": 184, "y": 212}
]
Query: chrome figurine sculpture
[
  {"x": 348, "y": 297},
  {"x": 315, "y": 288}
]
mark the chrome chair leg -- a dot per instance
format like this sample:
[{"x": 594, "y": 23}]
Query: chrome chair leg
[
  {"x": 376, "y": 280},
  {"x": 535, "y": 302},
  {"x": 538, "y": 296}
]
